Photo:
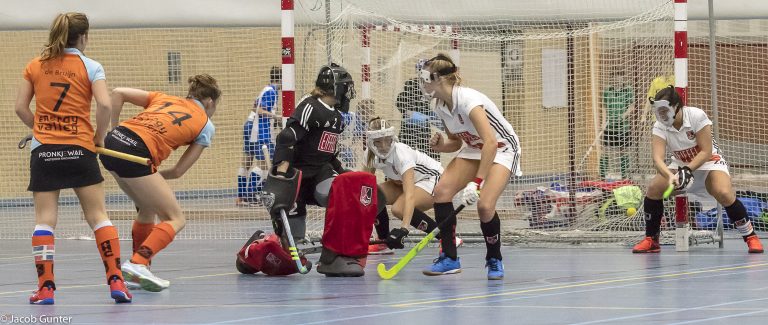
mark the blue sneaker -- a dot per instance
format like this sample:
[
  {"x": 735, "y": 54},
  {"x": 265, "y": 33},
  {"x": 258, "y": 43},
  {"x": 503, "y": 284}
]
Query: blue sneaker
[
  {"x": 495, "y": 269},
  {"x": 444, "y": 265}
]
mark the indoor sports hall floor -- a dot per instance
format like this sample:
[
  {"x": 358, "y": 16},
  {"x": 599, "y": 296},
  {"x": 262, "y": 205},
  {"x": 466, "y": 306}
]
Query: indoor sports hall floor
[{"x": 574, "y": 285}]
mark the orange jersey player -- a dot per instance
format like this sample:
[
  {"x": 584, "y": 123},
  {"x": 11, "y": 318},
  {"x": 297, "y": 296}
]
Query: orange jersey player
[
  {"x": 63, "y": 80},
  {"x": 166, "y": 123}
]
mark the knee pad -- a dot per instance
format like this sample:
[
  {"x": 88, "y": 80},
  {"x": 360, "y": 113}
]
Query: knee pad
[{"x": 322, "y": 191}]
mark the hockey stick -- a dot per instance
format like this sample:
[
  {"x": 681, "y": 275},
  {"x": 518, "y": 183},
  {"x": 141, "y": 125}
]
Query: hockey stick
[
  {"x": 102, "y": 151},
  {"x": 388, "y": 274}
]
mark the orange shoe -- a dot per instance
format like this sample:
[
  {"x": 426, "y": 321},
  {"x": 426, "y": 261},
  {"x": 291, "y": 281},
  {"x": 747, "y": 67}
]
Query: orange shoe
[
  {"x": 755, "y": 247},
  {"x": 44, "y": 296},
  {"x": 647, "y": 245},
  {"x": 118, "y": 291},
  {"x": 379, "y": 249}
]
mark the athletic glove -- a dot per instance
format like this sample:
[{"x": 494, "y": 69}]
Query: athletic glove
[
  {"x": 471, "y": 192},
  {"x": 684, "y": 178},
  {"x": 396, "y": 238}
]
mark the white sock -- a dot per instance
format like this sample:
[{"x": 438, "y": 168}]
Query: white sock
[{"x": 102, "y": 224}]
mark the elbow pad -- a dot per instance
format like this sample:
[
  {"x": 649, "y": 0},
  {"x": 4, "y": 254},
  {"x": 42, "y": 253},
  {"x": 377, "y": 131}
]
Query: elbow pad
[{"x": 284, "y": 143}]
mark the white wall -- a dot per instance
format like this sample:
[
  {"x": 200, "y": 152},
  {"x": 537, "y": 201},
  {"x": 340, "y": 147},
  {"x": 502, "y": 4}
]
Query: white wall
[{"x": 37, "y": 14}]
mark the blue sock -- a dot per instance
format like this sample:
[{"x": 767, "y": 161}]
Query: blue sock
[{"x": 242, "y": 186}]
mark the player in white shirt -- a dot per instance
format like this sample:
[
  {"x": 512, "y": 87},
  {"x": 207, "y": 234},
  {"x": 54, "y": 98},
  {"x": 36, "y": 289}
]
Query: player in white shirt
[
  {"x": 489, "y": 156},
  {"x": 696, "y": 163},
  {"x": 411, "y": 177}
]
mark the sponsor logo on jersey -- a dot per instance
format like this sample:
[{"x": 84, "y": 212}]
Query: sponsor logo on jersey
[
  {"x": 461, "y": 119},
  {"x": 474, "y": 141},
  {"x": 366, "y": 195},
  {"x": 690, "y": 135},
  {"x": 272, "y": 259},
  {"x": 328, "y": 142},
  {"x": 687, "y": 154}
]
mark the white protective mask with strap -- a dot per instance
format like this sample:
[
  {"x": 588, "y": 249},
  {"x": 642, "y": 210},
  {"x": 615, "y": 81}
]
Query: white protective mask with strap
[{"x": 664, "y": 113}]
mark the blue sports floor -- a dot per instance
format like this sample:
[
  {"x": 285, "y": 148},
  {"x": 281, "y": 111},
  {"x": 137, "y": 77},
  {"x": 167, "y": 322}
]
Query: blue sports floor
[{"x": 573, "y": 285}]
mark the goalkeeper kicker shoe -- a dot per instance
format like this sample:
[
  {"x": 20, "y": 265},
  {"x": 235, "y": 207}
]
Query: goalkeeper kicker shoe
[
  {"x": 444, "y": 265},
  {"x": 140, "y": 274},
  {"x": 647, "y": 245}
]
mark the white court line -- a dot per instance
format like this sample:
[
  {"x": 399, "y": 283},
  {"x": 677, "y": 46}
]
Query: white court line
[
  {"x": 667, "y": 312},
  {"x": 277, "y": 315},
  {"x": 721, "y": 317}
]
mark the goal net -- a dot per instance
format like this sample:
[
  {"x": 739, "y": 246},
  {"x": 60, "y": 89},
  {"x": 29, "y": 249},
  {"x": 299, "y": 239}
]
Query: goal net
[{"x": 573, "y": 81}]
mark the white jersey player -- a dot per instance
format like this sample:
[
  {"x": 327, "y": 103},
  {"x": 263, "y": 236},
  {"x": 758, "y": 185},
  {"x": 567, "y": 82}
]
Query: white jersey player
[
  {"x": 696, "y": 163},
  {"x": 490, "y": 155},
  {"x": 411, "y": 178}
]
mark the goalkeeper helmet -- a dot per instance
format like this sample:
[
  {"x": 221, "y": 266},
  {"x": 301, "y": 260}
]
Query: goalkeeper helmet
[
  {"x": 335, "y": 80},
  {"x": 381, "y": 138}
]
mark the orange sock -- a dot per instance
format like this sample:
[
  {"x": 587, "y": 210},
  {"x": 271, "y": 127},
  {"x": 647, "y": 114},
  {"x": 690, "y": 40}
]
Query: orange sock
[
  {"x": 43, "y": 250},
  {"x": 161, "y": 236},
  {"x": 140, "y": 232},
  {"x": 109, "y": 246}
]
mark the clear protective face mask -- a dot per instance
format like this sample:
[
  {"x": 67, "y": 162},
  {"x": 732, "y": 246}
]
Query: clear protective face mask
[{"x": 381, "y": 142}]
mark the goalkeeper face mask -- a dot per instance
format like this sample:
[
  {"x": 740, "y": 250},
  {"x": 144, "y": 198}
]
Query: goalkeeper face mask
[
  {"x": 664, "y": 113},
  {"x": 381, "y": 141}
]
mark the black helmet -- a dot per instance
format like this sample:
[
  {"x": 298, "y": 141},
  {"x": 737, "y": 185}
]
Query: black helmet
[{"x": 335, "y": 80}]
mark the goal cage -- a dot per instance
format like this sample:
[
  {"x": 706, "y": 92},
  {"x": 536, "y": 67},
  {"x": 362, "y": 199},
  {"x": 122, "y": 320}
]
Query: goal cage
[{"x": 572, "y": 77}]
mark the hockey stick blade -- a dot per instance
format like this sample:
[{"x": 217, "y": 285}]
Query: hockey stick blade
[{"x": 388, "y": 274}]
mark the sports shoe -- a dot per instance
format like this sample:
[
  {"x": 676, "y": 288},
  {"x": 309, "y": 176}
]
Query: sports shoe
[
  {"x": 495, "y": 269},
  {"x": 647, "y": 245},
  {"x": 118, "y": 291},
  {"x": 443, "y": 265},
  {"x": 43, "y": 296},
  {"x": 379, "y": 249},
  {"x": 139, "y": 273},
  {"x": 754, "y": 244}
]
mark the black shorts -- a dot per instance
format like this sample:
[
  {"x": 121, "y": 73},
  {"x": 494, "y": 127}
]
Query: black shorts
[
  {"x": 122, "y": 139},
  {"x": 58, "y": 166},
  {"x": 310, "y": 179},
  {"x": 613, "y": 138}
]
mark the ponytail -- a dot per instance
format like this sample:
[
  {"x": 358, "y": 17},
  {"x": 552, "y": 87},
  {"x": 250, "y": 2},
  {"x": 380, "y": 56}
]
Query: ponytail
[{"x": 65, "y": 31}]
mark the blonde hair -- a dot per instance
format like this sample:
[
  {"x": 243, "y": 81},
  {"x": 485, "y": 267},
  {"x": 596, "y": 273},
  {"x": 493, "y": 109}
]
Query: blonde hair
[
  {"x": 376, "y": 123},
  {"x": 318, "y": 92},
  {"x": 442, "y": 62},
  {"x": 65, "y": 30},
  {"x": 203, "y": 86}
]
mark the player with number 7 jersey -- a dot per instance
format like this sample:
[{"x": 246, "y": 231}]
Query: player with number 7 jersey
[{"x": 167, "y": 123}]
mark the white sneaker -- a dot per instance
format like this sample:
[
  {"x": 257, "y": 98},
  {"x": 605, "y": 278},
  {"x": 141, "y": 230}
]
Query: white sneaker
[{"x": 139, "y": 274}]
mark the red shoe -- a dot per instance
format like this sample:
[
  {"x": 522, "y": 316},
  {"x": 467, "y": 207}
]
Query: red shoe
[
  {"x": 379, "y": 249},
  {"x": 44, "y": 296},
  {"x": 647, "y": 245},
  {"x": 119, "y": 292},
  {"x": 755, "y": 247}
]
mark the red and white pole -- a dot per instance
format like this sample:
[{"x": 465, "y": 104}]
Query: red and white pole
[
  {"x": 681, "y": 49},
  {"x": 455, "y": 45},
  {"x": 365, "y": 38},
  {"x": 288, "y": 52},
  {"x": 682, "y": 233}
]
